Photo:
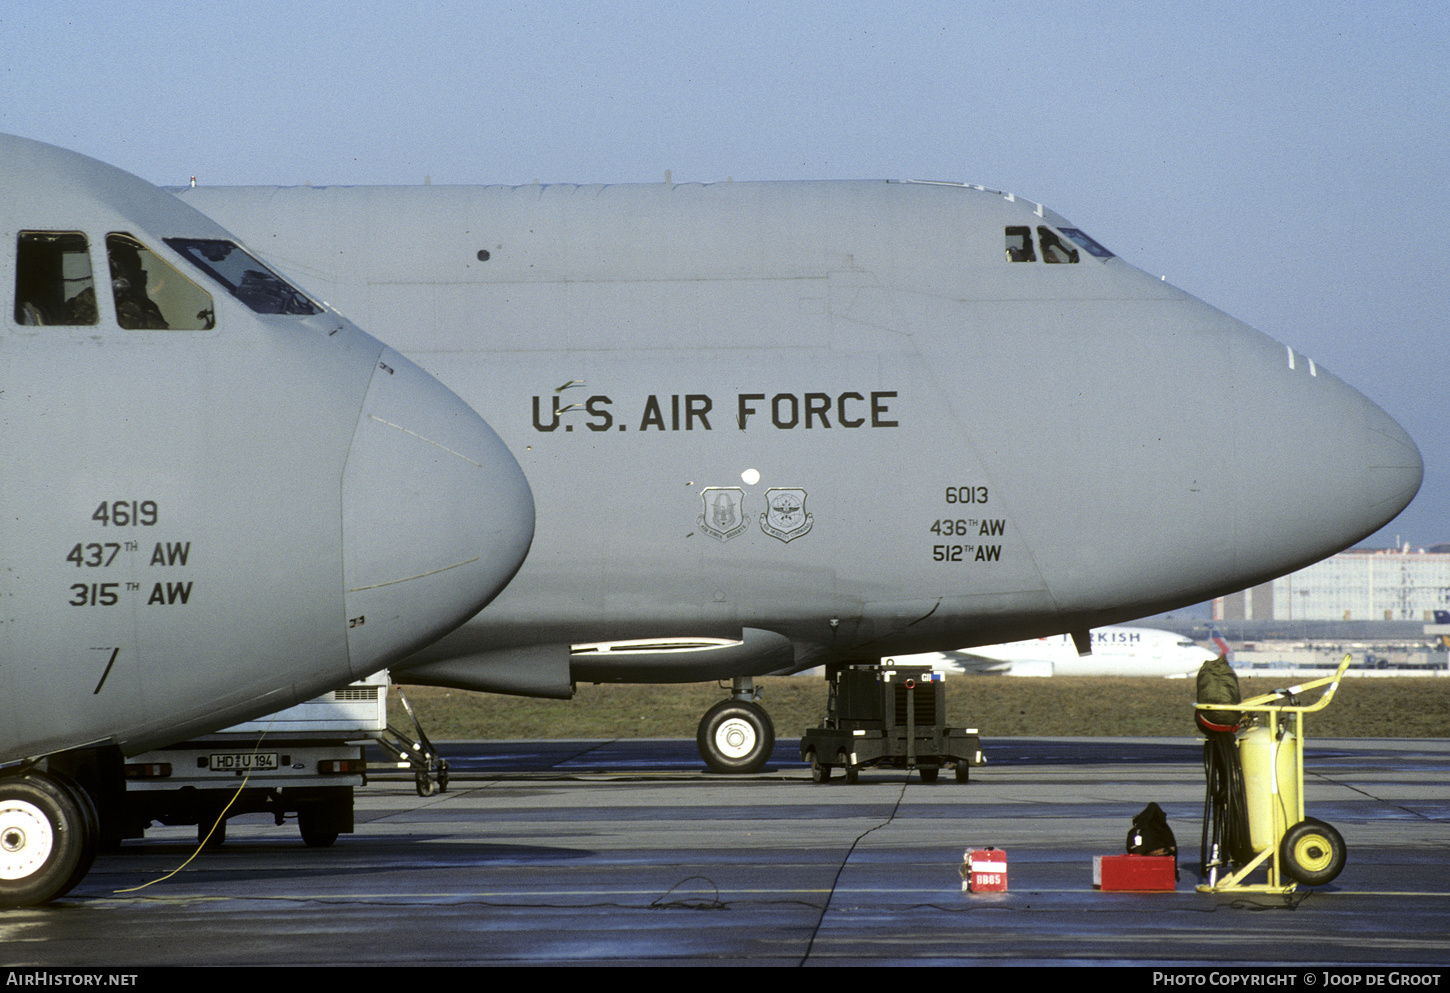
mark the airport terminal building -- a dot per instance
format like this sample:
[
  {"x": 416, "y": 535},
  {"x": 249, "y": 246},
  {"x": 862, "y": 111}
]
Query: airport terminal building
[
  {"x": 1396, "y": 584},
  {"x": 1377, "y": 604}
]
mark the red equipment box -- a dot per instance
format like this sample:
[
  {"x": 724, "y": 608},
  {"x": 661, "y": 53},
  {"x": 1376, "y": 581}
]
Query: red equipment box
[
  {"x": 985, "y": 871},
  {"x": 1134, "y": 872}
]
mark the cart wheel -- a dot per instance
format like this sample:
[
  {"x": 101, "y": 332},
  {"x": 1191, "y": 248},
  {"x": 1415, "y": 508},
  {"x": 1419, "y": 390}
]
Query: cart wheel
[
  {"x": 853, "y": 772},
  {"x": 819, "y": 773},
  {"x": 443, "y": 777},
  {"x": 1312, "y": 852},
  {"x": 964, "y": 772},
  {"x": 425, "y": 786},
  {"x": 929, "y": 773}
]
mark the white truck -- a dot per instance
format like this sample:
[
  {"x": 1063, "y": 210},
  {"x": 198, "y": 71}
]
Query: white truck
[{"x": 304, "y": 761}]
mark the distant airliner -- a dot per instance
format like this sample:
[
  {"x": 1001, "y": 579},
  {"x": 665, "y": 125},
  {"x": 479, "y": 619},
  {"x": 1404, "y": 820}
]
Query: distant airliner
[
  {"x": 220, "y": 497},
  {"x": 828, "y": 422},
  {"x": 1116, "y": 651}
]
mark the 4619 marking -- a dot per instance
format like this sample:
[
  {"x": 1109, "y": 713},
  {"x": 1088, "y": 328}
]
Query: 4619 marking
[{"x": 127, "y": 513}]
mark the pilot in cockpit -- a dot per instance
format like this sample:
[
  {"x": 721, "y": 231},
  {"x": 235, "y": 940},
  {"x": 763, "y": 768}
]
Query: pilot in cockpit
[{"x": 134, "y": 309}]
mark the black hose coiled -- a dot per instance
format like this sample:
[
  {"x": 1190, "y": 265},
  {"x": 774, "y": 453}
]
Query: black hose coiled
[{"x": 1225, "y": 811}]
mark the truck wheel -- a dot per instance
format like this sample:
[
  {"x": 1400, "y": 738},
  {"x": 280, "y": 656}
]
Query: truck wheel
[
  {"x": 217, "y": 835},
  {"x": 853, "y": 772},
  {"x": 44, "y": 848},
  {"x": 929, "y": 773},
  {"x": 1312, "y": 852},
  {"x": 315, "y": 826},
  {"x": 819, "y": 773},
  {"x": 964, "y": 772},
  {"x": 735, "y": 736}
]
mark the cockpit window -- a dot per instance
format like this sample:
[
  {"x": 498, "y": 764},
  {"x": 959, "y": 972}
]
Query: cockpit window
[
  {"x": 1019, "y": 245},
  {"x": 54, "y": 283},
  {"x": 1092, "y": 247},
  {"x": 1053, "y": 249},
  {"x": 244, "y": 277},
  {"x": 150, "y": 293}
]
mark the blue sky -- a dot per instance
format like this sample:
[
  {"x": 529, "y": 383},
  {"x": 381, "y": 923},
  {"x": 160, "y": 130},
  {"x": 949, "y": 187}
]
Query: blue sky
[{"x": 1289, "y": 163}]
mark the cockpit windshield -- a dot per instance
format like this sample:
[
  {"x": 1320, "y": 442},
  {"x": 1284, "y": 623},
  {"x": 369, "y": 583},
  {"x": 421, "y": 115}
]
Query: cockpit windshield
[
  {"x": 247, "y": 279},
  {"x": 1086, "y": 243},
  {"x": 151, "y": 294},
  {"x": 1057, "y": 246}
]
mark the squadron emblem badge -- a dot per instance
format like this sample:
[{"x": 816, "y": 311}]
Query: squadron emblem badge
[
  {"x": 723, "y": 518},
  {"x": 785, "y": 514}
]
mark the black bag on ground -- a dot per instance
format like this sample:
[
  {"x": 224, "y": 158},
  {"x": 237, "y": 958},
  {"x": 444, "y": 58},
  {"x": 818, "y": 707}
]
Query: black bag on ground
[{"x": 1151, "y": 835}]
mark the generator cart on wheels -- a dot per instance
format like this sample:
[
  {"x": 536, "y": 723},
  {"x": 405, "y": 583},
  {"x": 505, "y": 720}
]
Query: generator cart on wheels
[
  {"x": 891, "y": 716},
  {"x": 1254, "y": 806}
]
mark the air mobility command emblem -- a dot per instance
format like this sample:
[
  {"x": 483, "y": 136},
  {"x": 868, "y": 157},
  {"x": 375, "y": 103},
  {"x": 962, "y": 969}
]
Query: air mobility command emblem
[
  {"x": 785, "y": 514},
  {"x": 723, "y": 518}
]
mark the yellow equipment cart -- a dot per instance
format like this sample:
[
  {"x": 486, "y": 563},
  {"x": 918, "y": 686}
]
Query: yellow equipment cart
[{"x": 1270, "y": 746}]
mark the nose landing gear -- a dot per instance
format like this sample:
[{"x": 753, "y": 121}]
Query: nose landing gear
[{"x": 48, "y": 837}]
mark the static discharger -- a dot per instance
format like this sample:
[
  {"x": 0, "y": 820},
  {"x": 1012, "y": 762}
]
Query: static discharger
[{"x": 984, "y": 870}]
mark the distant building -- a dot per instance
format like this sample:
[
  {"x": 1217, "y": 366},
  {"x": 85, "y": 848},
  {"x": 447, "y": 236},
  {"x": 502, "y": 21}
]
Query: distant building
[{"x": 1397, "y": 584}]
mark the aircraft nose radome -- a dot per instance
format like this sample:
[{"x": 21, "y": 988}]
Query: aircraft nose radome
[
  {"x": 1338, "y": 469},
  {"x": 1396, "y": 468},
  {"x": 437, "y": 516}
]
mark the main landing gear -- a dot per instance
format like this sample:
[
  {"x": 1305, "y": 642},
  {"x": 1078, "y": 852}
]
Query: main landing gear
[
  {"x": 736, "y": 735},
  {"x": 49, "y": 833}
]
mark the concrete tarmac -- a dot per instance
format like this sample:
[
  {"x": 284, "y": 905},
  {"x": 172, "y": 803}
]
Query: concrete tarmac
[{"x": 628, "y": 852}]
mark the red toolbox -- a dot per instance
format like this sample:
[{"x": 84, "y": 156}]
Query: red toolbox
[
  {"x": 1134, "y": 872},
  {"x": 985, "y": 871}
]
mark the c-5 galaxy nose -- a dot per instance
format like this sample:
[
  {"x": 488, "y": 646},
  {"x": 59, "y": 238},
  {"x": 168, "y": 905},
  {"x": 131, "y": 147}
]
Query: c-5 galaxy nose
[
  {"x": 1395, "y": 466},
  {"x": 1334, "y": 469},
  {"x": 437, "y": 516}
]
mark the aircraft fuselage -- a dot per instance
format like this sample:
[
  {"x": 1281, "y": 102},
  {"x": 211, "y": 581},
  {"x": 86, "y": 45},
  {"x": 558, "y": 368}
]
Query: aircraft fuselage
[{"x": 856, "y": 416}]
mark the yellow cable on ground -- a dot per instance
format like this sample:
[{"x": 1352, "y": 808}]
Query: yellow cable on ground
[{"x": 220, "y": 817}]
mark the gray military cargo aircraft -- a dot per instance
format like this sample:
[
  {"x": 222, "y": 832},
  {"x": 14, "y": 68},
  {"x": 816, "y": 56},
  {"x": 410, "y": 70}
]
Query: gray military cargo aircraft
[
  {"x": 220, "y": 498},
  {"x": 775, "y": 425}
]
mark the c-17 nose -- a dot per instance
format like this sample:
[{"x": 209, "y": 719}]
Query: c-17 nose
[{"x": 437, "y": 516}]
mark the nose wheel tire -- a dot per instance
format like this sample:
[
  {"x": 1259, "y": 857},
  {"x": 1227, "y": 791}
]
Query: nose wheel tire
[
  {"x": 735, "y": 736},
  {"x": 46, "y": 841},
  {"x": 1312, "y": 852}
]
